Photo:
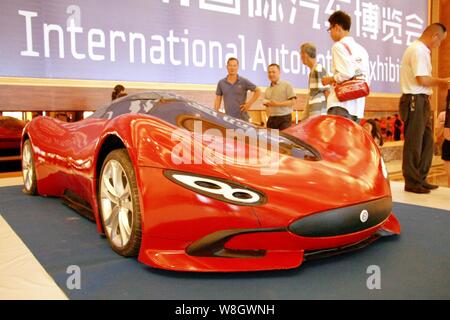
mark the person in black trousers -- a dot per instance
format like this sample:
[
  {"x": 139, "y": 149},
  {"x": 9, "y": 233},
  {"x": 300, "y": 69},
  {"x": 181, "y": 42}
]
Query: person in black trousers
[
  {"x": 397, "y": 128},
  {"x": 416, "y": 82}
]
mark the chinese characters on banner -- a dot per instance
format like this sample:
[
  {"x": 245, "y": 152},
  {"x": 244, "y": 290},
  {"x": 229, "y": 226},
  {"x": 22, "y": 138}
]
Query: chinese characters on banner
[
  {"x": 189, "y": 41},
  {"x": 372, "y": 20}
]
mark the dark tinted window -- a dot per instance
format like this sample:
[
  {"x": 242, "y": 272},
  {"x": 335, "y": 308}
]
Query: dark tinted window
[
  {"x": 184, "y": 114},
  {"x": 137, "y": 103}
]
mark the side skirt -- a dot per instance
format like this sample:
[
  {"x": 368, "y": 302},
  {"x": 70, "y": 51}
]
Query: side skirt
[{"x": 75, "y": 202}]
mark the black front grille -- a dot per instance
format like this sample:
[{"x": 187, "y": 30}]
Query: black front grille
[{"x": 344, "y": 220}]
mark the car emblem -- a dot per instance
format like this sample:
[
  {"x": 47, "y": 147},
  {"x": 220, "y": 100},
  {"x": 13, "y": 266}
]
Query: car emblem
[{"x": 364, "y": 216}]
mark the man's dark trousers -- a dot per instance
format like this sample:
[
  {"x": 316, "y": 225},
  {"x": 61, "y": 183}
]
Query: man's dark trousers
[
  {"x": 279, "y": 122},
  {"x": 415, "y": 112}
]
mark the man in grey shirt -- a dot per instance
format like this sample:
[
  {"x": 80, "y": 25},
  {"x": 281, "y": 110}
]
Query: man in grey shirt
[
  {"x": 279, "y": 99},
  {"x": 233, "y": 89}
]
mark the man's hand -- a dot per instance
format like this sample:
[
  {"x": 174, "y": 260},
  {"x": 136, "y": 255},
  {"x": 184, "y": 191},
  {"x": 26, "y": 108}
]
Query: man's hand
[
  {"x": 428, "y": 81},
  {"x": 217, "y": 103},
  {"x": 245, "y": 107},
  {"x": 444, "y": 83},
  {"x": 328, "y": 81}
]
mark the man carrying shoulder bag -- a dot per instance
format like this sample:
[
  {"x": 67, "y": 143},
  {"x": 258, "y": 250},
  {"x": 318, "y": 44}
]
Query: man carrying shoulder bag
[{"x": 350, "y": 61}]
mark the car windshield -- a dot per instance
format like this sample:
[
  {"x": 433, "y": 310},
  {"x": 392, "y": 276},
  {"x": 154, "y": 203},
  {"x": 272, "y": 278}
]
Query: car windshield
[
  {"x": 188, "y": 114},
  {"x": 128, "y": 104},
  {"x": 170, "y": 108}
]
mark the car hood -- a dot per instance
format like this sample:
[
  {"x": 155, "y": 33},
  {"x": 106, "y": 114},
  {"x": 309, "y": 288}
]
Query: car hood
[{"x": 349, "y": 172}]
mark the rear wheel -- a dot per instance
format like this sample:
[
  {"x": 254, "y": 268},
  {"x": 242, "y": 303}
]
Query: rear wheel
[
  {"x": 119, "y": 203},
  {"x": 28, "y": 169}
]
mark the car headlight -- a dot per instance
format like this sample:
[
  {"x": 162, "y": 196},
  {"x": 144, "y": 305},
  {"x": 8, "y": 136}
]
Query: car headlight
[
  {"x": 384, "y": 169},
  {"x": 220, "y": 189}
]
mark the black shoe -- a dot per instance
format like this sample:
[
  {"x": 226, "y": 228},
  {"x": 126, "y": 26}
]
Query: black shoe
[
  {"x": 429, "y": 186},
  {"x": 419, "y": 189}
]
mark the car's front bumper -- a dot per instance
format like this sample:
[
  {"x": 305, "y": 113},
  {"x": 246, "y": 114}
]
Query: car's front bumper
[
  {"x": 201, "y": 234},
  {"x": 258, "y": 249}
]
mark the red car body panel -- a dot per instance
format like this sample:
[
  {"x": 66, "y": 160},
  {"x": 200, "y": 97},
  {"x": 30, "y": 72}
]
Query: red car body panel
[{"x": 68, "y": 155}]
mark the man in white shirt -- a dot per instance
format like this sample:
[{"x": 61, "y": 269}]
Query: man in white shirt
[
  {"x": 416, "y": 82},
  {"x": 349, "y": 59}
]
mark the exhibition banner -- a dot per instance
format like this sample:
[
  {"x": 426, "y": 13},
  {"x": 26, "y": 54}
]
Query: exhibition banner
[{"x": 189, "y": 41}]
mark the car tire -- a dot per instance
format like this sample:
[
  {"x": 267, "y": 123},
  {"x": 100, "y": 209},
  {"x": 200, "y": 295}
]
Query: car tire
[
  {"x": 118, "y": 199},
  {"x": 28, "y": 169}
]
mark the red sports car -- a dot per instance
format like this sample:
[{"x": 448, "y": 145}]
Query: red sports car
[
  {"x": 159, "y": 188},
  {"x": 10, "y": 135}
]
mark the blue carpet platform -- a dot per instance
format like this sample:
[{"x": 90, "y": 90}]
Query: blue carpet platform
[{"x": 415, "y": 265}]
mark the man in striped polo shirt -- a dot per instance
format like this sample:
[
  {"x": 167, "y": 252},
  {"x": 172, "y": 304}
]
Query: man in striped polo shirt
[{"x": 318, "y": 93}]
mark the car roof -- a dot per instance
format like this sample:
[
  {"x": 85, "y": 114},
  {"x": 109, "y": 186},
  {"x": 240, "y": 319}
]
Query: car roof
[
  {"x": 7, "y": 121},
  {"x": 141, "y": 96},
  {"x": 150, "y": 95}
]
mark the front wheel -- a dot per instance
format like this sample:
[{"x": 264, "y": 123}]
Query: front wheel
[
  {"x": 28, "y": 169},
  {"x": 119, "y": 203}
]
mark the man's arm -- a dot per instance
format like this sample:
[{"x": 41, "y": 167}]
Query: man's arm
[
  {"x": 286, "y": 103},
  {"x": 328, "y": 81},
  {"x": 247, "y": 105},
  {"x": 217, "y": 103},
  {"x": 344, "y": 68},
  {"x": 428, "y": 81},
  {"x": 322, "y": 73},
  {"x": 439, "y": 134}
]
